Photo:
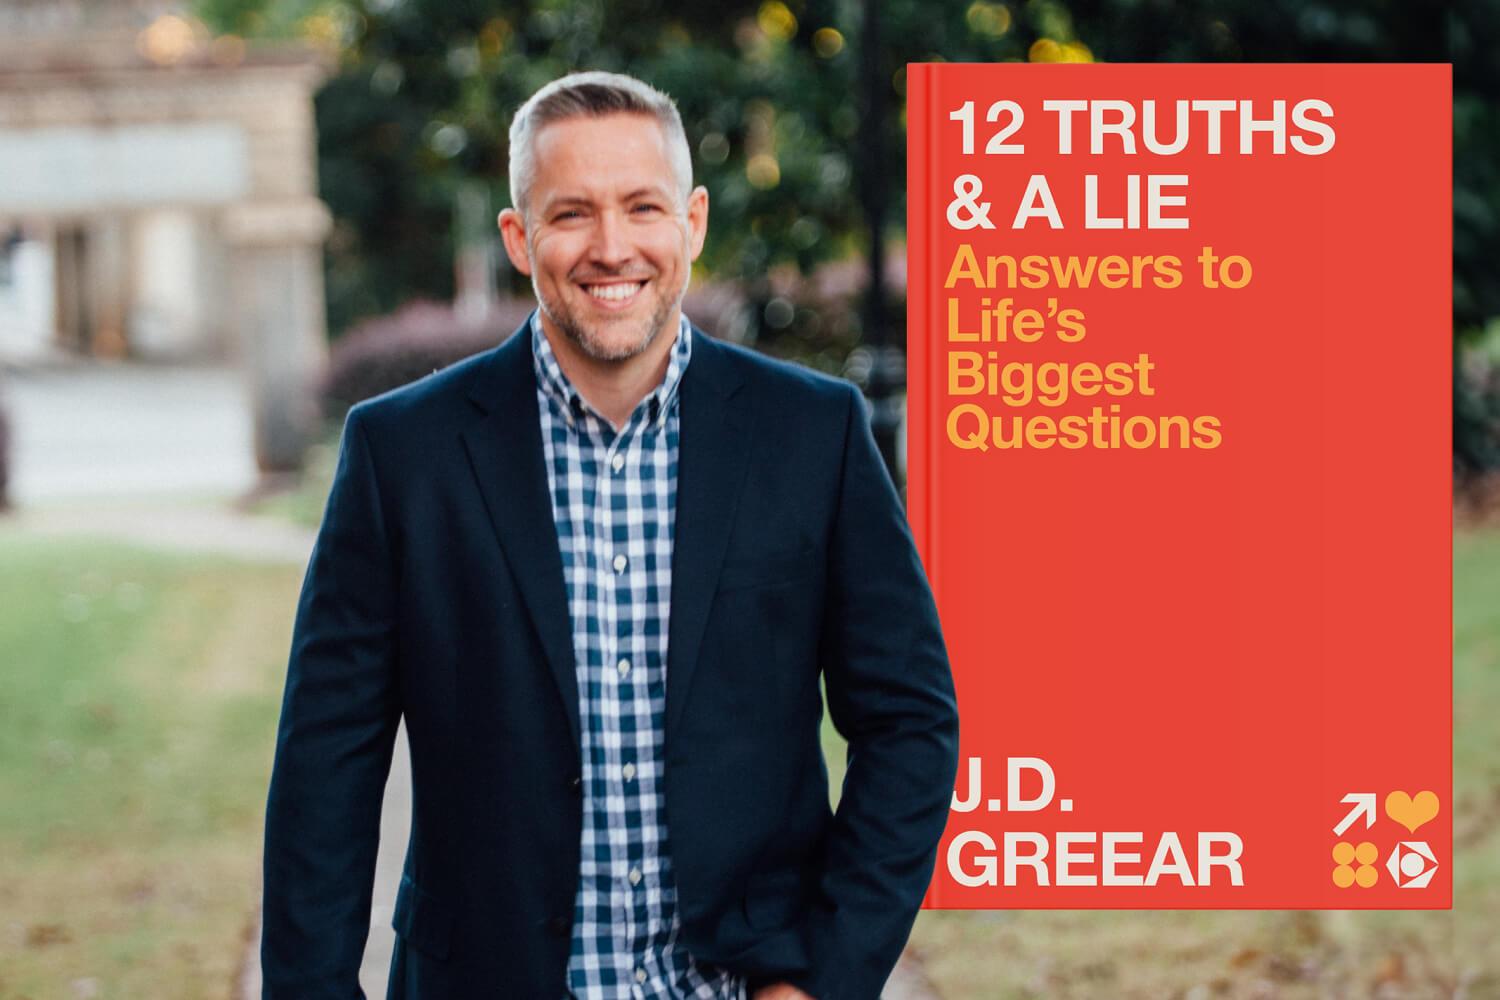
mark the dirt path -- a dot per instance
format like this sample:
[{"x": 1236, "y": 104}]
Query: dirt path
[{"x": 215, "y": 529}]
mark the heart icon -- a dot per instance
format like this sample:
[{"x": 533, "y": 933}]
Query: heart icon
[{"x": 1411, "y": 812}]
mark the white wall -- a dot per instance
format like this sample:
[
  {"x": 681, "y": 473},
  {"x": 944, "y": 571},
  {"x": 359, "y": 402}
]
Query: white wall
[{"x": 26, "y": 301}]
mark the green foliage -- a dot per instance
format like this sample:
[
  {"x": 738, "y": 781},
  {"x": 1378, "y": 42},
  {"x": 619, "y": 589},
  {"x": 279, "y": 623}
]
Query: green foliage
[
  {"x": 1375, "y": 31},
  {"x": 772, "y": 96},
  {"x": 267, "y": 20},
  {"x": 769, "y": 92}
]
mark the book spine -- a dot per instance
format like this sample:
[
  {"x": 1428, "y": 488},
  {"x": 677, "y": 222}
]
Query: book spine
[{"x": 921, "y": 150}]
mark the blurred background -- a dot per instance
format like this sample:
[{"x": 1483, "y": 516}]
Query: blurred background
[{"x": 223, "y": 222}]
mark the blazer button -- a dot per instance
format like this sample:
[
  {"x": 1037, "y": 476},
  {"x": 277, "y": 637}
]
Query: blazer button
[
  {"x": 559, "y": 925},
  {"x": 576, "y": 784}
]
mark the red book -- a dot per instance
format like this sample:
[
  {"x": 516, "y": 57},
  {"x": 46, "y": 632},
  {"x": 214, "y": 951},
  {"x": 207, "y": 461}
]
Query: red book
[{"x": 1180, "y": 374}]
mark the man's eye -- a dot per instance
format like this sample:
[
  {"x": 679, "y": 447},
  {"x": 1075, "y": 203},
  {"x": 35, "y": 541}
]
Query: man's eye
[
  {"x": 571, "y": 213},
  {"x": 646, "y": 207}
]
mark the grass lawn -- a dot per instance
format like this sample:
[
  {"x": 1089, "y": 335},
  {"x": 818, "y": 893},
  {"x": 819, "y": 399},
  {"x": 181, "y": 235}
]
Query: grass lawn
[
  {"x": 1198, "y": 955},
  {"x": 138, "y": 705},
  {"x": 138, "y": 702},
  {"x": 303, "y": 504}
]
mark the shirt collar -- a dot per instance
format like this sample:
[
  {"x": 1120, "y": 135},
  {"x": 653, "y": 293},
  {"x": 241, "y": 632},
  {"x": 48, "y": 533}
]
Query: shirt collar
[{"x": 555, "y": 384}]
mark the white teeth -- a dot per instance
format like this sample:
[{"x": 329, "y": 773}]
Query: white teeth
[{"x": 615, "y": 293}]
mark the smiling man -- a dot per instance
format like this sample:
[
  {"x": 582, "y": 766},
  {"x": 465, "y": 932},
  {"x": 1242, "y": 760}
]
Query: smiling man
[{"x": 601, "y": 570}]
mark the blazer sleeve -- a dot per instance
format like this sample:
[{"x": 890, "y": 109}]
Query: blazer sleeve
[
  {"x": 890, "y": 694},
  {"x": 339, "y": 715}
]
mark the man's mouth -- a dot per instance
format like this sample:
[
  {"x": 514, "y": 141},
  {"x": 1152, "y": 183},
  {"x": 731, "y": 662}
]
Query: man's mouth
[{"x": 614, "y": 291}]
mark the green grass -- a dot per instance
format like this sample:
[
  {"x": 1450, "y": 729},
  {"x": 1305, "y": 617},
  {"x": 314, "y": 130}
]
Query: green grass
[
  {"x": 1199, "y": 955},
  {"x": 138, "y": 701},
  {"x": 138, "y": 704},
  {"x": 303, "y": 504}
]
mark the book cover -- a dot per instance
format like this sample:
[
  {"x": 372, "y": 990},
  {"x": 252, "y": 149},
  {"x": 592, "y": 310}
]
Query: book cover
[{"x": 1180, "y": 472}]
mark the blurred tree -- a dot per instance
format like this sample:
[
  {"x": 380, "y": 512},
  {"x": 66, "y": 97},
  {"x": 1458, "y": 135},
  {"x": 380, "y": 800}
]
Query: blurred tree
[
  {"x": 771, "y": 93},
  {"x": 1465, "y": 33},
  {"x": 768, "y": 92}
]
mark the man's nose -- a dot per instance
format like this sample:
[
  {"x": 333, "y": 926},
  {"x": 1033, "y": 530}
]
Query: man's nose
[{"x": 611, "y": 245}]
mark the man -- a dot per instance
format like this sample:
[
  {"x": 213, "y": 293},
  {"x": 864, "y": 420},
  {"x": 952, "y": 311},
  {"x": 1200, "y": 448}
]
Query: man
[{"x": 600, "y": 570}]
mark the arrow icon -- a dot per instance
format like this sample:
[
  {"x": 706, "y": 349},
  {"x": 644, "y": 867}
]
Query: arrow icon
[{"x": 1364, "y": 802}]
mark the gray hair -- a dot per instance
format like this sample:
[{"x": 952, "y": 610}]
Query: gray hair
[{"x": 592, "y": 95}]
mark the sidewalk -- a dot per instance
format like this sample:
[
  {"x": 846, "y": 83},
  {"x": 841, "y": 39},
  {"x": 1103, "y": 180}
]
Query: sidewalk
[
  {"x": 96, "y": 431},
  {"x": 181, "y": 527}
]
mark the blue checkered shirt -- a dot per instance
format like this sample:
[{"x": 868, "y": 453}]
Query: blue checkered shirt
[{"x": 614, "y": 498}]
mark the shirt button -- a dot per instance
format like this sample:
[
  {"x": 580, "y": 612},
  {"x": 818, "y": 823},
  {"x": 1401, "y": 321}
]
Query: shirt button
[
  {"x": 635, "y": 876},
  {"x": 640, "y": 975},
  {"x": 623, "y": 667},
  {"x": 628, "y": 771},
  {"x": 617, "y": 463},
  {"x": 620, "y": 562}
]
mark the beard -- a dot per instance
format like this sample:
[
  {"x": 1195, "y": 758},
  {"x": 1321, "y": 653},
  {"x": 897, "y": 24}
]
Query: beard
[{"x": 588, "y": 339}]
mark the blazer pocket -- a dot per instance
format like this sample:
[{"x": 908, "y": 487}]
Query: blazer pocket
[
  {"x": 421, "y": 921},
  {"x": 775, "y": 567},
  {"x": 776, "y": 898}
]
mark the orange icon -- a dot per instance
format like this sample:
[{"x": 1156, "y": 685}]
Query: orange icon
[
  {"x": 1356, "y": 864},
  {"x": 1411, "y": 811}
]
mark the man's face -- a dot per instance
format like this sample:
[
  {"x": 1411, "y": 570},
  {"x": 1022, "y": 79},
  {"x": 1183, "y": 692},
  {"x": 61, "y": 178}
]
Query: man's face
[{"x": 605, "y": 237}]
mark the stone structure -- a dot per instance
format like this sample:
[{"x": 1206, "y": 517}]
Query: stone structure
[{"x": 159, "y": 200}]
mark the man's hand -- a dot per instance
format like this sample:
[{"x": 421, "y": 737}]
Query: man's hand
[{"x": 780, "y": 991}]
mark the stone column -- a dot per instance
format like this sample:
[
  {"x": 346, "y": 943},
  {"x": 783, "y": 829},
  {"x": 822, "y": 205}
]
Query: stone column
[
  {"x": 167, "y": 310},
  {"x": 276, "y": 281},
  {"x": 109, "y": 288}
]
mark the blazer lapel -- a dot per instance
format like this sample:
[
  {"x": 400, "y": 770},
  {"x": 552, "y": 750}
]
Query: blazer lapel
[
  {"x": 713, "y": 455},
  {"x": 505, "y": 452}
]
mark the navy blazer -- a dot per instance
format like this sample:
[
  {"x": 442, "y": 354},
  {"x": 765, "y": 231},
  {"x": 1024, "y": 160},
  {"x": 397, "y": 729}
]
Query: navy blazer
[{"x": 435, "y": 591}]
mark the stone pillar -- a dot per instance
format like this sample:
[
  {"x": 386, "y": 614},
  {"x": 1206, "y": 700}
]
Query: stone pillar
[
  {"x": 26, "y": 299},
  {"x": 167, "y": 310},
  {"x": 276, "y": 278},
  {"x": 109, "y": 286}
]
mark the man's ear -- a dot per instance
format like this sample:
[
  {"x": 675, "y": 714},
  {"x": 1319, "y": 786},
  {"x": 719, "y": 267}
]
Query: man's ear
[
  {"x": 513, "y": 233},
  {"x": 697, "y": 213}
]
